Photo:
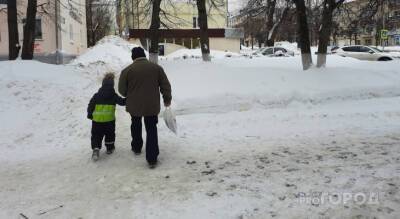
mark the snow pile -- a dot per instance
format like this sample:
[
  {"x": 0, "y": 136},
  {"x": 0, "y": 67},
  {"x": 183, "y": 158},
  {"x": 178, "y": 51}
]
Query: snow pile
[
  {"x": 236, "y": 84},
  {"x": 42, "y": 108},
  {"x": 247, "y": 51},
  {"x": 196, "y": 54},
  {"x": 390, "y": 48},
  {"x": 112, "y": 53},
  {"x": 55, "y": 97},
  {"x": 288, "y": 45}
]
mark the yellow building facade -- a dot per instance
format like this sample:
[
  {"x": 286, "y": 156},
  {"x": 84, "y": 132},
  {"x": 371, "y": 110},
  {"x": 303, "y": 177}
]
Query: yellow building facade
[{"x": 177, "y": 15}]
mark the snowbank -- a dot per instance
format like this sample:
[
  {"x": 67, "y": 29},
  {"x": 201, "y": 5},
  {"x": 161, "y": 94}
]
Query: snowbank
[
  {"x": 390, "y": 48},
  {"x": 42, "y": 107},
  {"x": 288, "y": 45},
  {"x": 112, "y": 53},
  {"x": 236, "y": 84},
  {"x": 196, "y": 54},
  {"x": 55, "y": 97}
]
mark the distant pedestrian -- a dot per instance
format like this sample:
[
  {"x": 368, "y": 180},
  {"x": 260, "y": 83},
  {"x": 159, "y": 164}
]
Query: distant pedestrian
[
  {"x": 101, "y": 110},
  {"x": 141, "y": 84}
]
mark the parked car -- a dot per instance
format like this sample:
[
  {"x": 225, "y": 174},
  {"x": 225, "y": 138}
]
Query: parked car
[
  {"x": 334, "y": 49},
  {"x": 273, "y": 51},
  {"x": 329, "y": 50},
  {"x": 365, "y": 53}
]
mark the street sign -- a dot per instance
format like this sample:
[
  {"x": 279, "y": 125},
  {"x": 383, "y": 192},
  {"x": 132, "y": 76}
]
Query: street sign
[{"x": 384, "y": 34}]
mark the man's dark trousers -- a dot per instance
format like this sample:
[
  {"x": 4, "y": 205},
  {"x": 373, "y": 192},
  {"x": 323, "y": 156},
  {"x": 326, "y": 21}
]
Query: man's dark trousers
[
  {"x": 150, "y": 123},
  {"x": 101, "y": 130}
]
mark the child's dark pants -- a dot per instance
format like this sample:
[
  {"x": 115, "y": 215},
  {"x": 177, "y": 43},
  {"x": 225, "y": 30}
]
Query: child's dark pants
[{"x": 101, "y": 130}]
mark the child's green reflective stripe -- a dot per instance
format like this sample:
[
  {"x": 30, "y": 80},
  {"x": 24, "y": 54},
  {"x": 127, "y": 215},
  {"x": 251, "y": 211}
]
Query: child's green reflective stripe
[{"x": 104, "y": 113}]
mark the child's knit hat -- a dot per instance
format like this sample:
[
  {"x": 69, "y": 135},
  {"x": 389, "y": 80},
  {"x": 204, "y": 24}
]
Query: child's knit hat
[{"x": 108, "y": 79}]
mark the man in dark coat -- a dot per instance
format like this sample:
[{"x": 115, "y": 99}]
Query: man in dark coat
[{"x": 141, "y": 83}]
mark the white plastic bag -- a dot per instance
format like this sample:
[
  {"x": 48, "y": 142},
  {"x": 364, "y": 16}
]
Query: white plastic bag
[{"x": 170, "y": 120}]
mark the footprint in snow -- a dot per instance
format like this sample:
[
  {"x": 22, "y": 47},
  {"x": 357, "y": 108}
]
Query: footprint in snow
[
  {"x": 190, "y": 162},
  {"x": 211, "y": 194},
  {"x": 208, "y": 172}
]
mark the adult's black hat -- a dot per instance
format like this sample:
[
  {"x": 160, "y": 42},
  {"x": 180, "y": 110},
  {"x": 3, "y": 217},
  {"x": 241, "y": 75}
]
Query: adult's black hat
[{"x": 137, "y": 52}]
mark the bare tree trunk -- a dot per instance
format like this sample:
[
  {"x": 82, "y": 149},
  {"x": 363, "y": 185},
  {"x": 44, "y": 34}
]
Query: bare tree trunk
[
  {"x": 203, "y": 23},
  {"x": 155, "y": 25},
  {"x": 355, "y": 38},
  {"x": 13, "y": 38},
  {"x": 270, "y": 21},
  {"x": 252, "y": 42},
  {"x": 325, "y": 32},
  {"x": 326, "y": 29},
  {"x": 29, "y": 30},
  {"x": 303, "y": 34},
  {"x": 89, "y": 23},
  {"x": 118, "y": 16},
  {"x": 274, "y": 30},
  {"x": 351, "y": 38}
]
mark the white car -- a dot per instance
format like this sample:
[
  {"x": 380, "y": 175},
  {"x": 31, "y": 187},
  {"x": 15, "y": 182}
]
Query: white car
[
  {"x": 365, "y": 53},
  {"x": 273, "y": 51}
]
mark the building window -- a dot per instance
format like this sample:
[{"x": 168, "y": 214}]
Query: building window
[
  {"x": 368, "y": 42},
  {"x": 38, "y": 28},
  {"x": 71, "y": 32},
  {"x": 194, "y": 22}
]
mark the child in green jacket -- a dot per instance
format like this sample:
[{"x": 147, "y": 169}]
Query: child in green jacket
[{"x": 101, "y": 110}]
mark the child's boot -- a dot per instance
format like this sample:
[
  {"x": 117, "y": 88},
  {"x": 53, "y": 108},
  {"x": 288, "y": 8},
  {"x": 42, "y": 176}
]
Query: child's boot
[{"x": 95, "y": 155}]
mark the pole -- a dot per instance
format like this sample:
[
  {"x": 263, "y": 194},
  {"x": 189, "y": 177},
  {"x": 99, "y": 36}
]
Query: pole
[
  {"x": 383, "y": 23},
  {"x": 56, "y": 28},
  {"x": 133, "y": 14},
  {"x": 137, "y": 14},
  {"x": 227, "y": 13}
]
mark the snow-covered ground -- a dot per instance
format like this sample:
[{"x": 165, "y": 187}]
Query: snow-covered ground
[
  {"x": 255, "y": 135},
  {"x": 196, "y": 54}
]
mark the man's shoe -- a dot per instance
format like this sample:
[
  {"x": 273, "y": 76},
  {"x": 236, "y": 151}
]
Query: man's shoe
[
  {"x": 153, "y": 164},
  {"x": 110, "y": 151},
  {"x": 95, "y": 155},
  {"x": 136, "y": 153}
]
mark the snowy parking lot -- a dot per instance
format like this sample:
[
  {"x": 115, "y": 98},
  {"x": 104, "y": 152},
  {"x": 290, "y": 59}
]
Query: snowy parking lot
[{"x": 257, "y": 138}]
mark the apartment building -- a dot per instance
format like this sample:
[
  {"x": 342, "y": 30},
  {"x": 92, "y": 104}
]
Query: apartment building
[
  {"x": 357, "y": 27},
  {"x": 180, "y": 26},
  {"x": 60, "y": 30}
]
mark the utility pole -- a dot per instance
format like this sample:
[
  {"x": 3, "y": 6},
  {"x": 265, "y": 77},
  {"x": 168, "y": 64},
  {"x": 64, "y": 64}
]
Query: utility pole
[
  {"x": 383, "y": 23},
  {"x": 137, "y": 14},
  {"x": 227, "y": 13},
  {"x": 133, "y": 14},
  {"x": 57, "y": 8}
]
